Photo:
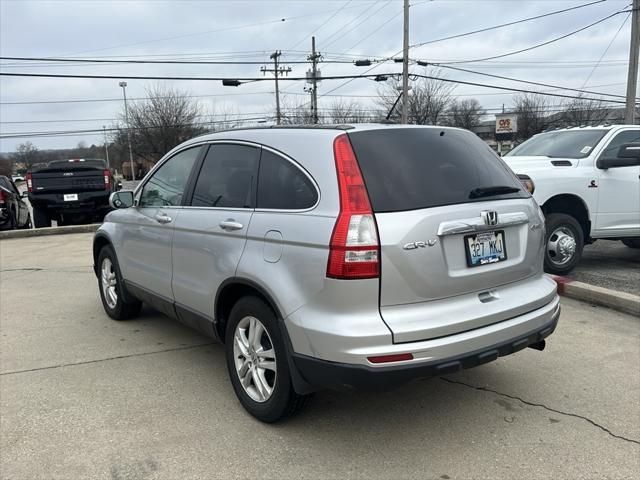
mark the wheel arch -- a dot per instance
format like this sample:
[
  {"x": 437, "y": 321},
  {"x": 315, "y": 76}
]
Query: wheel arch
[
  {"x": 232, "y": 290},
  {"x": 99, "y": 242},
  {"x": 573, "y": 205}
]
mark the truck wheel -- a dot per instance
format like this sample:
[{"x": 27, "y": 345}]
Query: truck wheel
[
  {"x": 564, "y": 243},
  {"x": 13, "y": 220},
  {"x": 40, "y": 218},
  {"x": 633, "y": 242},
  {"x": 257, "y": 362},
  {"x": 112, "y": 289}
]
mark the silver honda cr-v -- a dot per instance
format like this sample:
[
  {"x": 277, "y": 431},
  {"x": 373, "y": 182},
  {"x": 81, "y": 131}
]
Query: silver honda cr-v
[{"x": 336, "y": 257}]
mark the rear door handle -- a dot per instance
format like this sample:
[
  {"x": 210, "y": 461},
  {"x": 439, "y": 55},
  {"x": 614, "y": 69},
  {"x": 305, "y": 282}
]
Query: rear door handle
[
  {"x": 162, "y": 217},
  {"x": 230, "y": 224}
]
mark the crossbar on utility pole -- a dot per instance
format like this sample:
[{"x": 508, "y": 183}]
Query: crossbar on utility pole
[
  {"x": 277, "y": 70},
  {"x": 405, "y": 64},
  {"x": 634, "y": 52}
]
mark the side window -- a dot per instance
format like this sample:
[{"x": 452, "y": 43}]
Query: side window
[
  {"x": 628, "y": 136},
  {"x": 166, "y": 186},
  {"x": 282, "y": 185},
  {"x": 227, "y": 177}
]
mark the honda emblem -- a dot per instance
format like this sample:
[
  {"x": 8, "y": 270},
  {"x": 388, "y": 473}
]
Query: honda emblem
[{"x": 490, "y": 217}]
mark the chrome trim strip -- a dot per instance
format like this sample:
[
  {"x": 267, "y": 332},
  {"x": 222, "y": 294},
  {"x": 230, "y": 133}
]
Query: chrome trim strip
[{"x": 476, "y": 224}]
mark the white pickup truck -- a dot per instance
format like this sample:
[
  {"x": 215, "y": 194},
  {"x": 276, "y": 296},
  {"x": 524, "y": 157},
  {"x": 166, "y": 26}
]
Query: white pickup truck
[{"x": 587, "y": 182}]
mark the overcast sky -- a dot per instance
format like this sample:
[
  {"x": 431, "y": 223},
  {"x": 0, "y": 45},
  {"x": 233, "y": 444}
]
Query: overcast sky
[{"x": 252, "y": 29}]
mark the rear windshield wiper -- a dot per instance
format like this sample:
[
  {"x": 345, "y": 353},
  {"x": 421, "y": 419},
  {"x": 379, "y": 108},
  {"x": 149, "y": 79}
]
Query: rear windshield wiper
[{"x": 491, "y": 191}]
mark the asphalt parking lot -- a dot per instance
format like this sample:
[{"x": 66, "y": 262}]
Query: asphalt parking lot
[
  {"x": 83, "y": 396},
  {"x": 610, "y": 264}
]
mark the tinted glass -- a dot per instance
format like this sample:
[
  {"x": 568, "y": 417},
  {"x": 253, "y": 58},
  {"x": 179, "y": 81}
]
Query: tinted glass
[
  {"x": 166, "y": 186},
  {"x": 226, "y": 177},
  {"x": 411, "y": 168},
  {"x": 282, "y": 185},
  {"x": 60, "y": 165},
  {"x": 629, "y": 136},
  {"x": 560, "y": 144}
]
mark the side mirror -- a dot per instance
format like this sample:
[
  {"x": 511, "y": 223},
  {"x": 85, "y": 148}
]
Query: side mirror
[
  {"x": 629, "y": 150},
  {"x": 605, "y": 163},
  {"x": 121, "y": 199}
]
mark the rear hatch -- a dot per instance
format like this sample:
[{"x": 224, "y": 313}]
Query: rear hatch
[
  {"x": 454, "y": 223},
  {"x": 73, "y": 176}
]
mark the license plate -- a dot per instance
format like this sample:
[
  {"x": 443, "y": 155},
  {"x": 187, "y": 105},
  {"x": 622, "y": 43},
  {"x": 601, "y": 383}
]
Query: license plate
[
  {"x": 70, "y": 197},
  {"x": 485, "y": 248}
]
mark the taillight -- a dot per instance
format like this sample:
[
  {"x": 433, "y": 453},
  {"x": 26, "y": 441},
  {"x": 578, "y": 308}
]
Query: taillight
[
  {"x": 107, "y": 179},
  {"x": 3, "y": 197},
  {"x": 354, "y": 250},
  {"x": 29, "y": 182}
]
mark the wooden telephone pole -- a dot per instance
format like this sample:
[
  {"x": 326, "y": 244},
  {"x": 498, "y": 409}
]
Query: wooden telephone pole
[
  {"x": 634, "y": 52},
  {"x": 277, "y": 71}
]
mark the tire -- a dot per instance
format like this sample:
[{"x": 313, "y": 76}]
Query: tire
[
  {"x": 112, "y": 289},
  {"x": 563, "y": 243},
  {"x": 632, "y": 242},
  {"x": 27, "y": 224},
  {"x": 40, "y": 218},
  {"x": 13, "y": 220},
  {"x": 282, "y": 401}
]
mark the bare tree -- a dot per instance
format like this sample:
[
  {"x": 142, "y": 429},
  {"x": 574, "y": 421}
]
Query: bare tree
[
  {"x": 581, "y": 111},
  {"x": 165, "y": 119},
  {"x": 428, "y": 99},
  {"x": 344, "y": 111},
  {"x": 27, "y": 154},
  {"x": 464, "y": 113},
  {"x": 294, "y": 111},
  {"x": 533, "y": 114}
]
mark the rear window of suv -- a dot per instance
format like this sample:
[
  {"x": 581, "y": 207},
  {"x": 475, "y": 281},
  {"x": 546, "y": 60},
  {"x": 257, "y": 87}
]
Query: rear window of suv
[{"x": 413, "y": 168}]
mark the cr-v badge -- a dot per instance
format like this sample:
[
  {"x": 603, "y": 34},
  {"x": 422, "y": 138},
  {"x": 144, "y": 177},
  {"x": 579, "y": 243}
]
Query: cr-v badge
[{"x": 414, "y": 245}]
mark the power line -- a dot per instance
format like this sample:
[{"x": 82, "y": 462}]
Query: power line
[
  {"x": 510, "y": 89},
  {"x": 539, "y": 84},
  {"x": 606, "y": 50},
  {"x": 91, "y": 100},
  {"x": 142, "y": 77},
  {"x": 169, "y": 62},
  {"x": 553, "y": 40},
  {"x": 342, "y": 33},
  {"x": 473, "y": 32},
  {"x": 207, "y": 32},
  {"x": 321, "y": 25}
]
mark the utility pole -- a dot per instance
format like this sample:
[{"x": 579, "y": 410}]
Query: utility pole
[
  {"x": 314, "y": 58},
  {"x": 632, "y": 78},
  {"x": 405, "y": 65},
  {"x": 277, "y": 70},
  {"x": 126, "y": 117},
  {"x": 106, "y": 148}
]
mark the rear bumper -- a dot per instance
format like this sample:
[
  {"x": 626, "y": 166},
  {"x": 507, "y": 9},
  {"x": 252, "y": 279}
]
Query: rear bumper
[
  {"x": 342, "y": 376},
  {"x": 87, "y": 202}
]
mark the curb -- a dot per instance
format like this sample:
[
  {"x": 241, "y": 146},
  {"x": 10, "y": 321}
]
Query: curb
[
  {"x": 38, "y": 232},
  {"x": 621, "y": 301}
]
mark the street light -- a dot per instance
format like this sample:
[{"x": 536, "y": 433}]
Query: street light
[{"x": 126, "y": 117}]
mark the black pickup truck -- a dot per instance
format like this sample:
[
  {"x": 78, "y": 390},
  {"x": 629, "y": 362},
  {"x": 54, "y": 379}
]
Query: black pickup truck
[{"x": 70, "y": 192}]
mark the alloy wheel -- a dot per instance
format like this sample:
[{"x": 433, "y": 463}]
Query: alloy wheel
[
  {"x": 108, "y": 281},
  {"x": 254, "y": 359}
]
